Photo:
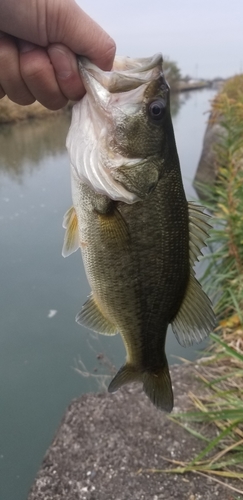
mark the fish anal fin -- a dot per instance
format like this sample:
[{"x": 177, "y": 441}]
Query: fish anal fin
[
  {"x": 195, "y": 318},
  {"x": 92, "y": 317},
  {"x": 71, "y": 238},
  {"x": 156, "y": 385}
]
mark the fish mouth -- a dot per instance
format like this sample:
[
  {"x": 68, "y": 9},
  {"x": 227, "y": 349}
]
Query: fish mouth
[{"x": 127, "y": 73}]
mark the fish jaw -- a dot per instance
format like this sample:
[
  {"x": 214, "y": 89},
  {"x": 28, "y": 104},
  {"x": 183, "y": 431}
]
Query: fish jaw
[{"x": 97, "y": 142}]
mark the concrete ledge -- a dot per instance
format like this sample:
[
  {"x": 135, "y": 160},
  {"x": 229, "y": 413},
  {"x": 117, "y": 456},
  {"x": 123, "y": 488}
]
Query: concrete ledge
[
  {"x": 207, "y": 170},
  {"x": 105, "y": 440}
]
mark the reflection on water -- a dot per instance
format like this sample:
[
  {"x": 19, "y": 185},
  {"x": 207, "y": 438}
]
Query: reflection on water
[
  {"x": 24, "y": 145},
  {"x": 39, "y": 350},
  {"x": 176, "y": 101}
]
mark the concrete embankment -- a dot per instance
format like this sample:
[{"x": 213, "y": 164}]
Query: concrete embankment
[{"x": 206, "y": 171}]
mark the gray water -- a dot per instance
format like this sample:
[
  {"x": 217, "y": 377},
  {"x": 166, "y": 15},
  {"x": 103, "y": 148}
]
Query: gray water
[{"x": 41, "y": 346}]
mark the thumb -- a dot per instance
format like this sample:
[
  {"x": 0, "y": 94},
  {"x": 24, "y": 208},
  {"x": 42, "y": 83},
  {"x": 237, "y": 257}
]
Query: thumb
[{"x": 68, "y": 24}]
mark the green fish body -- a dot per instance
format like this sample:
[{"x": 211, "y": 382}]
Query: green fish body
[{"x": 138, "y": 235}]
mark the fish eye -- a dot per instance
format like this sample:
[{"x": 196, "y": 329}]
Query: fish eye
[{"x": 157, "y": 109}]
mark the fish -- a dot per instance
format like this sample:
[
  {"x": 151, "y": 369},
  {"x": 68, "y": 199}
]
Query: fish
[{"x": 139, "y": 236}]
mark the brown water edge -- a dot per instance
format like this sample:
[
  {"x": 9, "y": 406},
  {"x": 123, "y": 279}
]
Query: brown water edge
[{"x": 11, "y": 112}]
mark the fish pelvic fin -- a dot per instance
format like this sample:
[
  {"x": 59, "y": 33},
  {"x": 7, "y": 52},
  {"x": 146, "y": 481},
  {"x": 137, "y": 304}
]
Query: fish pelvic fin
[
  {"x": 71, "y": 238},
  {"x": 92, "y": 317},
  {"x": 156, "y": 385}
]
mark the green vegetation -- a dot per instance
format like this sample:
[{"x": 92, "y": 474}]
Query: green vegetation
[
  {"x": 226, "y": 204},
  {"x": 218, "y": 419}
]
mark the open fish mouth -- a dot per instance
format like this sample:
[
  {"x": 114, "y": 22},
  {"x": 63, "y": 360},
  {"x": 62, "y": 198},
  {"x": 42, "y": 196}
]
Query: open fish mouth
[{"x": 127, "y": 73}]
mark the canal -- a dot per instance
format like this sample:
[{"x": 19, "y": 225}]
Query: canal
[{"x": 42, "y": 350}]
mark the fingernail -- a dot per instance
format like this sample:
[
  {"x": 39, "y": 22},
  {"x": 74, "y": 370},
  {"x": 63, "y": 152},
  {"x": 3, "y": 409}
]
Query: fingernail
[
  {"x": 26, "y": 46},
  {"x": 61, "y": 62}
]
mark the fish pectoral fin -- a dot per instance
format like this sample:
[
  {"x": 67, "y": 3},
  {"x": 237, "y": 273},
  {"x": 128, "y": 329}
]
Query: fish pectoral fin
[
  {"x": 195, "y": 318},
  {"x": 91, "y": 317},
  {"x": 114, "y": 228},
  {"x": 71, "y": 238},
  {"x": 157, "y": 385}
]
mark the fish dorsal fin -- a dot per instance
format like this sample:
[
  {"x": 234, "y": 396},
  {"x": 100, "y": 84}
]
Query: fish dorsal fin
[
  {"x": 92, "y": 317},
  {"x": 71, "y": 238},
  {"x": 195, "y": 318},
  {"x": 198, "y": 230}
]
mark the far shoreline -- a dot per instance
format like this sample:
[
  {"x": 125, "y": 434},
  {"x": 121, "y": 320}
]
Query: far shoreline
[{"x": 10, "y": 112}]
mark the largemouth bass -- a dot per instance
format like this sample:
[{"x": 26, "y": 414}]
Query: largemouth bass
[{"x": 138, "y": 235}]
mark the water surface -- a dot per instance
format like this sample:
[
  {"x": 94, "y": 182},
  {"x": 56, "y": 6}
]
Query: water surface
[{"x": 40, "y": 294}]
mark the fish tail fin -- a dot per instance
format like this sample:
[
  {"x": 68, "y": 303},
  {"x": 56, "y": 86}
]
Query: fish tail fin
[
  {"x": 156, "y": 385},
  {"x": 125, "y": 375}
]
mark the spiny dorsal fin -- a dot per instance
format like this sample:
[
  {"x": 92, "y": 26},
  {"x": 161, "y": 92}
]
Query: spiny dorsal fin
[
  {"x": 91, "y": 317},
  {"x": 198, "y": 230},
  {"x": 71, "y": 238},
  {"x": 195, "y": 318}
]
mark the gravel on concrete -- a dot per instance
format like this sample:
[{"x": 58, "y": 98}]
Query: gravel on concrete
[{"x": 106, "y": 443}]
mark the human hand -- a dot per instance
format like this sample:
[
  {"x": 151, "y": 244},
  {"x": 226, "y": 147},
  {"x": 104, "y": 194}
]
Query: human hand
[{"x": 38, "y": 43}]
